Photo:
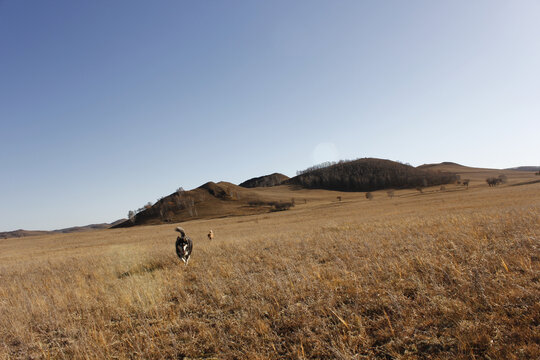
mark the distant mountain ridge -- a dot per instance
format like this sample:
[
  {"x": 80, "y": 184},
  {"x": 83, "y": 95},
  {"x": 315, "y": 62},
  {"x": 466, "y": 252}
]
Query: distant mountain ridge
[
  {"x": 427, "y": 166},
  {"x": 525, "y": 168},
  {"x": 24, "y": 233},
  {"x": 265, "y": 181}
]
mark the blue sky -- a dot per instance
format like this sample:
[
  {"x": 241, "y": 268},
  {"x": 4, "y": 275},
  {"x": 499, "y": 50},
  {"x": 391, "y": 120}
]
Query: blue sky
[{"x": 107, "y": 105}]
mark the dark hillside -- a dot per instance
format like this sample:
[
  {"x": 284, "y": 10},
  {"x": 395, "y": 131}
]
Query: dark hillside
[
  {"x": 211, "y": 200},
  {"x": 207, "y": 200},
  {"x": 370, "y": 174},
  {"x": 22, "y": 233},
  {"x": 265, "y": 181},
  {"x": 427, "y": 166},
  {"x": 74, "y": 229}
]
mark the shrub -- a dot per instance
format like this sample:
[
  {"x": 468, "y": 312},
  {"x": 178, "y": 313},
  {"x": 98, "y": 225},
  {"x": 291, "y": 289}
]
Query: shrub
[
  {"x": 259, "y": 203},
  {"x": 369, "y": 196},
  {"x": 276, "y": 206},
  {"x": 282, "y": 206},
  {"x": 493, "y": 181}
]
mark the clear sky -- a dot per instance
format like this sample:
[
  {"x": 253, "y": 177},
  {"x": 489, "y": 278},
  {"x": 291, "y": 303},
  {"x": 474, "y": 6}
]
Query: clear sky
[{"x": 107, "y": 105}]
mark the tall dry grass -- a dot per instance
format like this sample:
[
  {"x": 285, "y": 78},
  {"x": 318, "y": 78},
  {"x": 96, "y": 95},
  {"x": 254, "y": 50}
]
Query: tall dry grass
[{"x": 434, "y": 284}]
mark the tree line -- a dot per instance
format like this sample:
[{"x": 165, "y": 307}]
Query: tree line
[{"x": 369, "y": 174}]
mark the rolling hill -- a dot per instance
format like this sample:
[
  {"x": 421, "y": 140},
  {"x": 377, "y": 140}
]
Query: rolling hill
[
  {"x": 264, "y": 194},
  {"x": 276, "y": 191},
  {"x": 369, "y": 174},
  {"x": 23, "y": 233},
  {"x": 211, "y": 200},
  {"x": 265, "y": 181},
  {"x": 525, "y": 168},
  {"x": 223, "y": 199}
]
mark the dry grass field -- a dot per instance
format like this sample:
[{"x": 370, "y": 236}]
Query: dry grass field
[{"x": 439, "y": 275}]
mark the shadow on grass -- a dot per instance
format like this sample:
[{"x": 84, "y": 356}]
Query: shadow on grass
[{"x": 144, "y": 268}]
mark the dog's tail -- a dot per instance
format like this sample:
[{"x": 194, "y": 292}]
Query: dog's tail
[{"x": 181, "y": 231}]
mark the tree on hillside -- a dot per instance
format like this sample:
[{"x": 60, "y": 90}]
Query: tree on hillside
[
  {"x": 493, "y": 181},
  {"x": 163, "y": 210},
  {"x": 369, "y": 175},
  {"x": 316, "y": 167}
]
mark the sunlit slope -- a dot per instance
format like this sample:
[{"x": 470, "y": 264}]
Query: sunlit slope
[{"x": 223, "y": 199}]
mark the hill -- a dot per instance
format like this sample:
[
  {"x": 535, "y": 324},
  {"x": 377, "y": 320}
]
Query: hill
[
  {"x": 479, "y": 174},
  {"x": 210, "y": 200},
  {"x": 265, "y": 181},
  {"x": 444, "y": 163},
  {"x": 276, "y": 191},
  {"x": 525, "y": 168},
  {"x": 222, "y": 199},
  {"x": 74, "y": 229},
  {"x": 370, "y": 174},
  {"x": 22, "y": 233}
]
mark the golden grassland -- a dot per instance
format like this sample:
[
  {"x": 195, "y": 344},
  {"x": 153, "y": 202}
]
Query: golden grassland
[{"x": 444, "y": 274}]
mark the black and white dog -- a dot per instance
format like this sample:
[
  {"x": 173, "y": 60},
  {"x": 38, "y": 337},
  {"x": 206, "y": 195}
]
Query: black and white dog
[{"x": 184, "y": 246}]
